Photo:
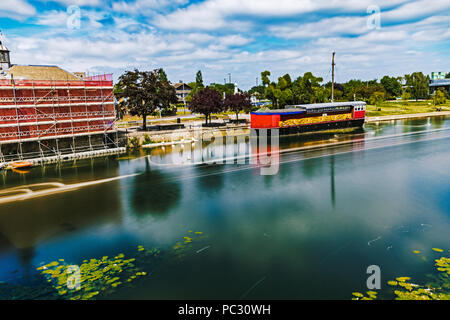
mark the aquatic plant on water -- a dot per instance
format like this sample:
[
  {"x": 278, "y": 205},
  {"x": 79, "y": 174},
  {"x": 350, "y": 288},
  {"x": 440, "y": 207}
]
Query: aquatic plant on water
[
  {"x": 94, "y": 278},
  {"x": 438, "y": 287}
]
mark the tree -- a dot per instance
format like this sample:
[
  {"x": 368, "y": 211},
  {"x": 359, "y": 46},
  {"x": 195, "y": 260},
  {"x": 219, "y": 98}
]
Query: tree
[
  {"x": 206, "y": 101},
  {"x": 166, "y": 92},
  {"x": 257, "y": 91},
  {"x": 447, "y": 76},
  {"x": 307, "y": 87},
  {"x": 439, "y": 97},
  {"x": 417, "y": 85},
  {"x": 226, "y": 89},
  {"x": 238, "y": 102},
  {"x": 376, "y": 98},
  {"x": 271, "y": 94},
  {"x": 199, "y": 79},
  {"x": 265, "y": 78},
  {"x": 392, "y": 86},
  {"x": 142, "y": 92}
]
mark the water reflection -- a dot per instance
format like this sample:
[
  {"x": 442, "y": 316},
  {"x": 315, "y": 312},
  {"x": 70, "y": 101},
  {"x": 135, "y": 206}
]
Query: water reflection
[
  {"x": 153, "y": 193},
  {"x": 333, "y": 185}
]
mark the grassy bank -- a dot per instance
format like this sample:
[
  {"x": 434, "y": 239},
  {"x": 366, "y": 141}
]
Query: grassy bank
[{"x": 402, "y": 107}]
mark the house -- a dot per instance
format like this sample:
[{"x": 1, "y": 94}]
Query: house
[{"x": 182, "y": 91}]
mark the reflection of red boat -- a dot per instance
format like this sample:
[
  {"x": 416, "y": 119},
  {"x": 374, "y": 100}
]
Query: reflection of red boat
[
  {"x": 20, "y": 171},
  {"x": 21, "y": 164}
]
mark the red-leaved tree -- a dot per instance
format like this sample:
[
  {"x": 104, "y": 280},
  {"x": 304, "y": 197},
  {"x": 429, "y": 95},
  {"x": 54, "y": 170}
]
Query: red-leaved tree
[
  {"x": 206, "y": 101},
  {"x": 238, "y": 102}
]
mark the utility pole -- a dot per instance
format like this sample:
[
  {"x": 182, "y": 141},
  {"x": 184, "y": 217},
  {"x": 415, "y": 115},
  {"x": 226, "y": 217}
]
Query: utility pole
[
  {"x": 332, "y": 77},
  {"x": 184, "y": 100},
  {"x": 229, "y": 75}
]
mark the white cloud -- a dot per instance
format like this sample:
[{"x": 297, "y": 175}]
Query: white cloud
[
  {"x": 215, "y": 14},
  {"x": 325, "y": 27},
  {"x": 90, "y": 3},
  {"x": 16, "y": 9},
  {"x": 52, "y": 18},
  {"x": 415, "y": 10},
  {"x": 139, "y": 6}
]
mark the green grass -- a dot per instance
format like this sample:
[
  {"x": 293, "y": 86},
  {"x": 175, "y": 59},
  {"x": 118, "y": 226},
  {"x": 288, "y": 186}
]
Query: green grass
[{"x": 399, "y": 108}]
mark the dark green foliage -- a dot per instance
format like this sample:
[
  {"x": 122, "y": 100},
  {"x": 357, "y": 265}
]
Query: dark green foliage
[{"x": 141, "y": 93}]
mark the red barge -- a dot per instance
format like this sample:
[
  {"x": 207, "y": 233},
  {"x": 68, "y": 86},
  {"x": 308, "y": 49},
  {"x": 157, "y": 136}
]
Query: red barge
[{"x": 311, "y": 117}]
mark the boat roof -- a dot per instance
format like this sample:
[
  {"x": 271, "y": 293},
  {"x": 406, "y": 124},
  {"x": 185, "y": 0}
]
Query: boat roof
[
  {"x": 326, "y": 105},
  {"x": 302, "y": 108}
]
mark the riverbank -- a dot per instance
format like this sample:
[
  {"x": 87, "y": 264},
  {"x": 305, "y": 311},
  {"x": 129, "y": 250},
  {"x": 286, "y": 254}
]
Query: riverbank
[
  {"x": 192, "y": 133},
  {"x": 159, "y": 138}
]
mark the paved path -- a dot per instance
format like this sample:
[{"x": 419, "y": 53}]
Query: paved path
[{"x": 408, "y": 116}]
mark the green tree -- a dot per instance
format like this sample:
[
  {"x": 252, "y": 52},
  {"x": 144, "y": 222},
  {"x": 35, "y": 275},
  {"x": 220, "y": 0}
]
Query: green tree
[
  {"x": 257, "y": 89},
  {"x": 417, "y": 85},
  {"x": 308, "y": 85},
  {"x": 392, "y": 86},
  {"x": 283, "y": 91},
  {"x": 142, "y": 92},
  {"x": 226, "y": 89},
  {"x": 376, "y": 98},
  {"x": 265, "y": 78},
  {"x": 167, "y": 93},
  {"x": 271, "y": 93},
  {"x": 439, "y": 97},
  {"x": 199, "y": 79}
]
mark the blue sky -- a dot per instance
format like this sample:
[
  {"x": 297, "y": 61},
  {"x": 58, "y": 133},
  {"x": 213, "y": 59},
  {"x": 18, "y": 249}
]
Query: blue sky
[{"x": 241, "y": 37}]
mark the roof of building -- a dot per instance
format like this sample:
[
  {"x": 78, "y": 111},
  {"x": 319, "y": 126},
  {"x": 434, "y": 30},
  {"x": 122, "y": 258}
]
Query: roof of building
[
  {"x": 439, "y": 83},
  {"x": 53, "y": 73},
  {"x": 180, "y": 84},
  {"x": 2, "y": 47}
]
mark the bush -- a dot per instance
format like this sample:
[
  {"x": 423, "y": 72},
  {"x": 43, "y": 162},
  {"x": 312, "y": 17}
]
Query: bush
[
  {"x": 439, "y": 97},
  {"x": 133, "y": 143},
  {"x": 147, "y": 140}
]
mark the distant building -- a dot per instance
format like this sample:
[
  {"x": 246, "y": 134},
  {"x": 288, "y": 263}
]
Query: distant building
[
  {"x": 5, "y": 62},
  {"x": 438, "y": 81},
  {"x": 182, "y": 91},
  {"x": 437, "y": 75}
]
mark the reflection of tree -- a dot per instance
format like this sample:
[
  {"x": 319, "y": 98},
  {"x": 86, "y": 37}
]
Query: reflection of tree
[
  {"x": 333, "y": 184},
  {"x": 437, "y": 122},
  {"x": 26, "y": 256},
  {"x": 154, "y": 194},
  {"x": 413, "y": 125},
  {"x": 211, "y": 177}
]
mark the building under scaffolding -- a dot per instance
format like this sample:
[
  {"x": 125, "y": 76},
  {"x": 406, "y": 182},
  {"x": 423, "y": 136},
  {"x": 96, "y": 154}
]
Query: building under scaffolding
[{"x": 46, "y": 111}]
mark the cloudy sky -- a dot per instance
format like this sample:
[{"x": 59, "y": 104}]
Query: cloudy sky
[{"x": 371, "y": 38}]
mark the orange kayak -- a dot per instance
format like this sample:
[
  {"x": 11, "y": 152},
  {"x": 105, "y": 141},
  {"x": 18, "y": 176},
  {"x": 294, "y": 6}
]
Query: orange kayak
[{"x": 21, "y": 164}]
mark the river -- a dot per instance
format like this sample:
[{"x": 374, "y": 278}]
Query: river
[{"x": 226, "y": 231}]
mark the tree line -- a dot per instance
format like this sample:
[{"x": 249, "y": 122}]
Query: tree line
[
  {"x": 145, "y": 93},
  {"x": 308, "y": 89}
]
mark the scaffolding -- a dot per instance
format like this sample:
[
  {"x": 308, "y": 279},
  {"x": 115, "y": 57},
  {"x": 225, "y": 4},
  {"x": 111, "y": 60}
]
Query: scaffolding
[{"x": 47, "y": 112}]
